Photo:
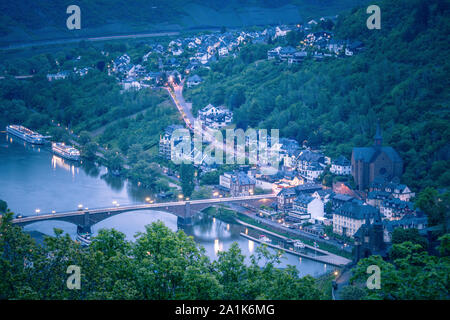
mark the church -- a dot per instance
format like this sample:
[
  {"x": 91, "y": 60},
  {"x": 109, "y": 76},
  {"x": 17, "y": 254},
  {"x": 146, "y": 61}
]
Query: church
[{"x": 377, "y": 160}]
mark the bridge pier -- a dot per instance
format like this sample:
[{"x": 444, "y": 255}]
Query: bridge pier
[
  {"x": 186, "y": 218},
  {"x": 83, "y": 229},
  {"x": 86, "y": 226}
]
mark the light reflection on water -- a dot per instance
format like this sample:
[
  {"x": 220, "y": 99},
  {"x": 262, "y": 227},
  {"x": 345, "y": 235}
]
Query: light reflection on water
[{"x": 35, "y": 178}]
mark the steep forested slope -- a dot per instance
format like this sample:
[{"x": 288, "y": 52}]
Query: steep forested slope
[
  {"x": 29, "y": 20},
  {"x": 400, "y": 80}
]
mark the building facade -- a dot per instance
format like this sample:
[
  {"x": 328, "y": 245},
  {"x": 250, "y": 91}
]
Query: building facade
[{"x": 377, "y": 160}]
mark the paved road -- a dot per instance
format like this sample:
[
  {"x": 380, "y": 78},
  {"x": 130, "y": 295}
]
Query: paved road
[
  {"x": 72, "y": 40},
  {"x": 185, "y": 109},
  {"x": 20, "y": 77}
]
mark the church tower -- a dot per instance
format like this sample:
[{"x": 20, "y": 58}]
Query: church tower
[{"x": 378, "y": 139}]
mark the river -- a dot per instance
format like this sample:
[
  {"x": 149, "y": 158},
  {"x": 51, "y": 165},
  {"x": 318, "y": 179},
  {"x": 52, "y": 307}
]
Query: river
[{"x": 31, "y": 178}]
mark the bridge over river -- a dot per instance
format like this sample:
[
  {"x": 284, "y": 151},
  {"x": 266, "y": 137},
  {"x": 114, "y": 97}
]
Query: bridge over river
[{"x": 184, "y": 210}]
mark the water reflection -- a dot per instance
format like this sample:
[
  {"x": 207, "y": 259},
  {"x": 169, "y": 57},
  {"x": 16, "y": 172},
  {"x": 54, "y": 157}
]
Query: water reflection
[
  {"x": 116, "y": 183},
  {"x": 90, "y": 168},
  {"x": 32, "y": 179},
  {"x": 251, "y": 246}
]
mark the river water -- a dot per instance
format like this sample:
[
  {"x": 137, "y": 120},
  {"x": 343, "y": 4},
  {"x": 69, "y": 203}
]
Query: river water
[{"x": 31, "y": 178}]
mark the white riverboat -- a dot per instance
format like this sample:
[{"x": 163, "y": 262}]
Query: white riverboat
[
  {"x": 298, "y": 244},
  {"x": 84, "y": 239},
  {"x": 25, "y": 134},
  {"x": 64, "y": 151},
  {"x": 264, "y": 238}
]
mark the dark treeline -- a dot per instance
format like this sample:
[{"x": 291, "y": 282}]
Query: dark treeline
[{"x": 160, "y": 264}]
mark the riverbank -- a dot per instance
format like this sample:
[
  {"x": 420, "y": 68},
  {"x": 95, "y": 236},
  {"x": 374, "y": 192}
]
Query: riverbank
[
  {"x": 327, "y": 258},
  {"x": 229, "y": 215},
  {"x": 322, "y": 246}
]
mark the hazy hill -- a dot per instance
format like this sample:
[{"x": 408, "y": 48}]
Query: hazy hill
[{"x": 29, "y": 20}]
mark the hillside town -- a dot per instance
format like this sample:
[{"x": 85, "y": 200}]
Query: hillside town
[
  {"x": 183, "y": 57},
  {"x": 365, "y": 189}
]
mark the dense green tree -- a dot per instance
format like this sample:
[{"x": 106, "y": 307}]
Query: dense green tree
[
  {"x": 187, "y": 179},
  {"x": 352, "y": 293},
  {"x": 3, "y": 206},
  {"x": 401, "y": 235},
  {"x": 435, "y": 205},
  {"x": 413, "y": 274},
  {"x": 89, "y": 150},
  {"x": 84, "y": 138},
  {"x": 114, "y": 160}
]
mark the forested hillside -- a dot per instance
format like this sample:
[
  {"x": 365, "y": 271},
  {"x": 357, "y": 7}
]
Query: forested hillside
[
  {"x": 400, "y": 80},
  {"x": 46, "y": 19}
]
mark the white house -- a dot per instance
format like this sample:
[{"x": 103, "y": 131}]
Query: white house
[
  {"x": 131, "y": 83},
  {"x": 313, "y": 171},
  {"x": 223, "y": 51},
  {"x": 341, "y": 166},
  {"x": 215, "y": 117},
  {"x": 306, "y": 208},
  {"x": 194, "y": 80}
]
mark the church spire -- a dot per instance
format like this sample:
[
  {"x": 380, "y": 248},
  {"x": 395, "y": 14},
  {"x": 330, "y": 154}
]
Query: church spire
[{"x": 378, "y": 139}]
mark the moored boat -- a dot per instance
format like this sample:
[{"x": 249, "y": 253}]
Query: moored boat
[
  {"x": 264, "y": 238},
  {"x": 299, "y": 244},
  {"x": 64, "y": 151},
  {"x": 25, "y": 134},
  {"x": 84, "y": 239}
]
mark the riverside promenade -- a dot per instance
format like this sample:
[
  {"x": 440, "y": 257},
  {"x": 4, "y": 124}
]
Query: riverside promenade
[{"x": 326, "y": 257}]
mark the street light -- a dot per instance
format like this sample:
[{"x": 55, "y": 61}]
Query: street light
[
  {"x": 37, "y": 211},
  {"x": 147, "y": 199},
  {"x": 114, "y": 202}
]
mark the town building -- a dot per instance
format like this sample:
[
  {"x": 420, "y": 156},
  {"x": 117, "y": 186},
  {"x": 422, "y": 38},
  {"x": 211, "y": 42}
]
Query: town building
[
  {"x": 58, "y": 76},
  {"x": 341, "y": 166},
  {"x": 396, "y": 209},
  {"x": 369, "y": 239},
  {"x": 165, "y": 148},
  {"x": 306, "y": 208},
  {"x": 375, "y": 198},
  {"x": 308, "y": 158},
  {"x": 338, "y": 200},
  {"x": 349, "y": 217},
  {"x": 238, "y": 183},
  {"x": 193, "y": 81},
  {"x": 417, "y": 221},
  {"x": 285, "y": 199},
  {"x": 377, "y": 160},
  {"x": 214, "y": 117},
  {"x": 393, "y": 188}
]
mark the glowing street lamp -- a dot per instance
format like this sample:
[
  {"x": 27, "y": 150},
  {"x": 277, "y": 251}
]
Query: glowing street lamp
[
  {"x": 114, "y": 202},
  {"x": 147, "y": 199},
  {"x": 37, "y": 211},
  {"x": 180, "y": 196}
]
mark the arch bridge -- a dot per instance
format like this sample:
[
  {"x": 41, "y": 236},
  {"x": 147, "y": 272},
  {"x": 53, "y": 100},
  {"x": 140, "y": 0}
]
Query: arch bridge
[{"x": 184, "y": 210}]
